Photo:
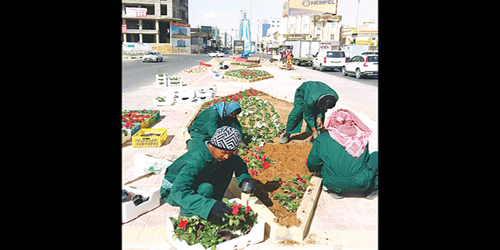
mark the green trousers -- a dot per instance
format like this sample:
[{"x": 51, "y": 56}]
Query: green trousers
[{"x": 296, "y": 117}]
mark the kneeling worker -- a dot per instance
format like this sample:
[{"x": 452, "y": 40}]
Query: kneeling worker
[
  {"x": 342, "y": 156},
  {"x": 197, "y": 180}
]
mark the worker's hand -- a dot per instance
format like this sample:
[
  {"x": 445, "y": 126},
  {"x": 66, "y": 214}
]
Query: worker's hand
[
  {"x": 220, "y": 209},
  {"x": 247, "y": 185},
  {"x": 319, "y": 122},
  {"x": 315, "y": 134}
]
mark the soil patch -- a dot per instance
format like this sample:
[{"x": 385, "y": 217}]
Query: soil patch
[{"x": 290, "y": 159}]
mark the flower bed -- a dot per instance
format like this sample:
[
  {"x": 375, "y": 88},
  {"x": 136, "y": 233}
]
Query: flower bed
[
  {"x": 247, "y": 75},
  {"x": 229, "y": 232},
  {"x": 268, "y": 162}
]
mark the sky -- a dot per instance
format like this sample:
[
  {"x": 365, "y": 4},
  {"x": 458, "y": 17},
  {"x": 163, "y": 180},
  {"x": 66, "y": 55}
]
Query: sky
[{"x": 225, "y": 14}]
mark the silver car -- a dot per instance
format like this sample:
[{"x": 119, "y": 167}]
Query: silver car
[{"x": 152, "y": 56}]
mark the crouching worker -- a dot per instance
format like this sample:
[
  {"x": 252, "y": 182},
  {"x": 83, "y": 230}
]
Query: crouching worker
[
  {"x": 210, "y": 119},
  {"x": 342, "y": 156},
  {"x": 197, "y": 180},
  {"x": 312, "y": 100}
]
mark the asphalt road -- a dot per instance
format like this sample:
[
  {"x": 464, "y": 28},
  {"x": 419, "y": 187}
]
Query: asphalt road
[
  {"x": 136, "y": 73},
  {"x": 366, "y": 80}
]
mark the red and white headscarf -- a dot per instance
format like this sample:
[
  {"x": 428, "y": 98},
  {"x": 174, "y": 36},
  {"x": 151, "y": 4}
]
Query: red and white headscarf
[{"x": 349, "y": 131}]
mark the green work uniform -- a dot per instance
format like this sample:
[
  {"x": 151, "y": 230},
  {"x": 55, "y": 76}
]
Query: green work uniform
[
  {"x": 204, "y": 126},
  {"x": 341, "y": 171},
  {"x": 196, "y": 180},
  {"x": 305, "y": 106}
]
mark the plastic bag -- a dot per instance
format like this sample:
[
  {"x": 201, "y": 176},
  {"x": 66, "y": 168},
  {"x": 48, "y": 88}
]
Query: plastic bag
[{"x": 145, "y": 164}]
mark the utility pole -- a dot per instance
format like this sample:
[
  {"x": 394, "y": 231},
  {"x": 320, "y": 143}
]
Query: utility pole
[{"x": 357, "y": 11}]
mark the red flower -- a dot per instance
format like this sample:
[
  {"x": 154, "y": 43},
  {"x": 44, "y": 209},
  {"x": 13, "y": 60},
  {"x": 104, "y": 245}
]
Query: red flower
[
  {"x": 236, "y": 209},
  {"x": 248, "y": 209},
  {"x": 182, "y": 223},
  {"x": 265, "y": 165},
  {"x": 252, "y": 172}
]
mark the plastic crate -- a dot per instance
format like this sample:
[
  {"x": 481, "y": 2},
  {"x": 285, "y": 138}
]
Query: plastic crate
[
  {"x": 139, "y": 141},
  {"x": 135, "y": 128}
]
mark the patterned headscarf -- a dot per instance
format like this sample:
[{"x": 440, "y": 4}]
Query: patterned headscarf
[
  {"x": 226, "y": 138},
  {"x": 349, "y": 131}
]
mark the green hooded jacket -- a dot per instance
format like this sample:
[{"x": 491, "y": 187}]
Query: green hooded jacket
[
  {"x": 189, "y": 171},
  {"x": 341, "y": 171}
]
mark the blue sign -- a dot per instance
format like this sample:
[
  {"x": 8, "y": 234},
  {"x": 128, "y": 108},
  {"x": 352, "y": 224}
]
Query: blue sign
[{"x": 245, "y": 36}]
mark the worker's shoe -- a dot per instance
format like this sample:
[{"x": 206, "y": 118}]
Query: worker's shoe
[
  {"x": 335, "y": 195},
  {"x": 372, "y": 195},
  {"x": 285, "y": 138}
]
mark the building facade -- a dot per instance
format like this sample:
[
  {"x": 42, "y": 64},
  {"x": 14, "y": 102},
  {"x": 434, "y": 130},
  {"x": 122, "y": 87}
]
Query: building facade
[
  {"x": 148, "y": 21},
  {"x": 308, "y": 21},
  {"x": 364, "y": 34}
]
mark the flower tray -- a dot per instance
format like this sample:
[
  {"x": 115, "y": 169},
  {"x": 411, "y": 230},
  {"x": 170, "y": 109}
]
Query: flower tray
[
  {"x": 150, "y": 111},
  {"x": 134, "y": 129},
  {"x": 141, "y": 141},
  {"x": 255, "y": 236},
  {"x": 131, "y": 211},
  {"x": 127, "y": 137}
]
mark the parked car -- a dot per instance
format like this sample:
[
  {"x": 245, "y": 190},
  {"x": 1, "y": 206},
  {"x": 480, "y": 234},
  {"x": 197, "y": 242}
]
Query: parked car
[
  {"x": 363, "y": 65},
  {"x": 152, "y": 56},
  {"x": 329, "y": 59},
  {"x": 216, "y": 53},
  {"x": 370, "y": 53}
]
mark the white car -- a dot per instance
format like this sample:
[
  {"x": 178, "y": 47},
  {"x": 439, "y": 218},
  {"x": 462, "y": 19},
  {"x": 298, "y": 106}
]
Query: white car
[
  {"x": 152, "y": 56},
  {"x": 329, "y": 59},
  {"x": 216, "y": 53},
  {"x": 364, "y": 65}
]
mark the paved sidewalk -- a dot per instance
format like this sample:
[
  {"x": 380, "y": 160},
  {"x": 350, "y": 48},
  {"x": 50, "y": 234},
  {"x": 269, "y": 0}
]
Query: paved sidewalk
[{"x": 349, "y": 223}]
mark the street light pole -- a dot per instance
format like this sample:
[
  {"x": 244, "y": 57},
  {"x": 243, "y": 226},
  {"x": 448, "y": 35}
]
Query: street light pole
[{"x": 357, "y": 11}]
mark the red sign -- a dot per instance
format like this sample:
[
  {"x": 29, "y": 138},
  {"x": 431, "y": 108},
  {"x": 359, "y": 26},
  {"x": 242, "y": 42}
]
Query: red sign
[
  {"x": 180, "y": 24},
  {"x": 141, "y": 12},
  {"x": 124, "y": 28}
]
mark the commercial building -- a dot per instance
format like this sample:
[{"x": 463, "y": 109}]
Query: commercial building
[
  {"x": 309, "y": 21},
  {"x": 267, "y": 27},
  {"x": 149, "y": 21},
  {"x": 364, "y": 34}
]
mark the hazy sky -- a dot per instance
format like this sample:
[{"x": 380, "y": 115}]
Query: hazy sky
[{"x": 226, "y": 14}]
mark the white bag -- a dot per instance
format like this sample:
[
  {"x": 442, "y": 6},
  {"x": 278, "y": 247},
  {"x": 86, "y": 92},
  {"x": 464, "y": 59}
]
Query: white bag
[{"x": 145, "y": 164}]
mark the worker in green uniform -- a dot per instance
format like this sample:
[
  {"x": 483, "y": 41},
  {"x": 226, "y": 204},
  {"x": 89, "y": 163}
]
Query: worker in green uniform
[
  {"x": 210, "y": 119},
  {"x": 197, "y": 180},
  {"x": 312, "y": 100},
  {"x": 342, "y": 156}
]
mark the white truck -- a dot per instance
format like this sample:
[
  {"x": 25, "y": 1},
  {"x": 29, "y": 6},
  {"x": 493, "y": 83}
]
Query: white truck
[
  {"x": 354, "y": 50},
  {"x": 302, "y": 51}
]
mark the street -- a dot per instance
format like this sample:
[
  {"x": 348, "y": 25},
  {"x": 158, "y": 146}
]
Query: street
[
  {"x": 136, "y": 74},
  {"x": 373, "y": 81}
]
